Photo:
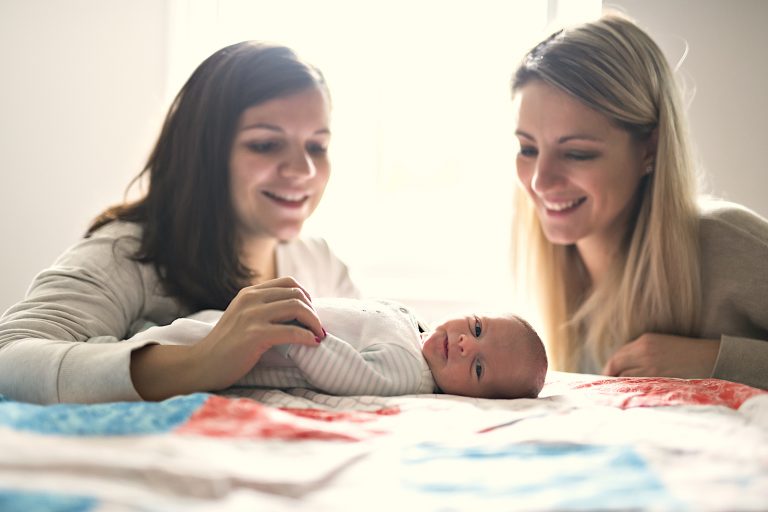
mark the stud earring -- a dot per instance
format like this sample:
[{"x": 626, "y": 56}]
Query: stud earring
[{"x": 649, "y": 169}]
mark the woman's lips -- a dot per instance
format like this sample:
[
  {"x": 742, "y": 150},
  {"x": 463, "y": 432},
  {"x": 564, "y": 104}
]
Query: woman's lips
[
  {"x": 562, "y": 208},
  {"x": 293, "y": 200},
  {"x": 445, "y": 348}
]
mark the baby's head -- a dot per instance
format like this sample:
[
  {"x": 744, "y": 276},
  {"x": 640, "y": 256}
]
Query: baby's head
[{"x": 486, "y": 357}]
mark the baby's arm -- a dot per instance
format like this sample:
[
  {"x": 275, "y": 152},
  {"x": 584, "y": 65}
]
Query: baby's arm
[
  {"x": 182, "y": 331},
  {"x": 336, "y": 367}
]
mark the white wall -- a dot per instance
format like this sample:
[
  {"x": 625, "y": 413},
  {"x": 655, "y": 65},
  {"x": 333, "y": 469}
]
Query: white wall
[
  {"x": 728, "y": 68},
  {"x": 81, "y": 96},
  {"x": 83, "y": 92}
]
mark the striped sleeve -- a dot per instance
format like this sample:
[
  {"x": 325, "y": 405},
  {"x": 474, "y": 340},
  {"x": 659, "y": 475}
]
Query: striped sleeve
[{"x": 337, "y": 368}]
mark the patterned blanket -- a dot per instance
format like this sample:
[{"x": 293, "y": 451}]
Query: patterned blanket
[{"x": 587, "y": 443}]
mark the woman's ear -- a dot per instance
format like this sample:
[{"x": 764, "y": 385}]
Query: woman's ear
[{"x": 649, "y": 151}]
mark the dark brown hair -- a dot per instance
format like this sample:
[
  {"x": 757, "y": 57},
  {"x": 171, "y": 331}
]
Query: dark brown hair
[{"x": 187, "y": 215}]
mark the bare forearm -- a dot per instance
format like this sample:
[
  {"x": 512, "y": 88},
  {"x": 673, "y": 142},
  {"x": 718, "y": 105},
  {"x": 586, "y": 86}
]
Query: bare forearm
[{"x": 162, "y": 371}]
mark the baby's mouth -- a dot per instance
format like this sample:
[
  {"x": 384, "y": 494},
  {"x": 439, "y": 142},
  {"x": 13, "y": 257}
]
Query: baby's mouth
[{"x": 445, "y": 348}]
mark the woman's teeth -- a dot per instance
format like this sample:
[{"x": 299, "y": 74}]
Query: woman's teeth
[
  {"x": 559, "y": 207},
  {"x": 293, "y": 198}
]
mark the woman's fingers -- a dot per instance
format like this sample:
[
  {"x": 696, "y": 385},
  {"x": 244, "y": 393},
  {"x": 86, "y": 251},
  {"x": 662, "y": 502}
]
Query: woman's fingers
[
  {"x": 294, "y": 312},
  {"x": 281, "y": 282},
  {"x": 620, "y": 362},
  {"x": 255, "y": 294}
]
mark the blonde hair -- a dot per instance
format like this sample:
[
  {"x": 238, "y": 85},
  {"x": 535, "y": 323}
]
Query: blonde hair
[{"x": 614, "y": 67}]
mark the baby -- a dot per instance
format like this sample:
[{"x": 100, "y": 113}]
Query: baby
[{"x": 376, "y": 347}]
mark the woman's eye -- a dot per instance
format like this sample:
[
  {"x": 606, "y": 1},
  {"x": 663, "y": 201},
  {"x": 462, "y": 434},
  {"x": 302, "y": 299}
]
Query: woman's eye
[
  {"x": 478, "y": 369},
  {"x": 528, "y": 151},
  {"x": 478, "y": 327},
  {"x": 317, "y": 149},
  {"x": 580, "y": 155},
  {"x": 263, "y": 147}
]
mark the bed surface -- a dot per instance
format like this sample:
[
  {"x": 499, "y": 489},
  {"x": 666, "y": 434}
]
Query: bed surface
[{"x": 588, "y": 443}]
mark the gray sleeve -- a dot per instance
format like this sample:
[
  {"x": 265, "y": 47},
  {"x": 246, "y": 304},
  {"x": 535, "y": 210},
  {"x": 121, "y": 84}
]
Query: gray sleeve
[
  {"x": 93, "y": 293},
  {"x": 734, "y": 244},
  {"x": 743, "y": 360}
]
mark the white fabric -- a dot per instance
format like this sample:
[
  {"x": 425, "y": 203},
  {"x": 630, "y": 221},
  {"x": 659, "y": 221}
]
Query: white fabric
[
  {"x": 96, "y": 293},
  {"x": 372, "y": 348}
]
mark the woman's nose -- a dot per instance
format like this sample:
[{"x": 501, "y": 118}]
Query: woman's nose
[
  {"x": 546, "y": 176},
  {"x": 298, "y": 165}
]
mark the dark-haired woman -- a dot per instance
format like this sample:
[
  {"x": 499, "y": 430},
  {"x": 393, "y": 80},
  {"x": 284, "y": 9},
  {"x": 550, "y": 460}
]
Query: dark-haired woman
[{"x": 240, "y": 164}]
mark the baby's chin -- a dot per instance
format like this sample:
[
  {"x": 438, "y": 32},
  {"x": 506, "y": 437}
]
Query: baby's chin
[
  {"x": 427, "y": 349},
  {"x": 425, "y": 336}
]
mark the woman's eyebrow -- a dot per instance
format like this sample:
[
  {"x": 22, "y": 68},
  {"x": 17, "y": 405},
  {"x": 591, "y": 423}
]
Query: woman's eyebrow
[
  {"x": 521, "y": 133},
  {"x": 277, "y": 129},
  {"x": 263, "y": 126},
  {"x": 578, "y": 136},
  {"x": 564, "y": 138}
]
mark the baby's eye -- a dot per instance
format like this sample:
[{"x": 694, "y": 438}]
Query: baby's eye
[
  {"x": 478, "y": 327},
  {"x": 478, "y": 369}
]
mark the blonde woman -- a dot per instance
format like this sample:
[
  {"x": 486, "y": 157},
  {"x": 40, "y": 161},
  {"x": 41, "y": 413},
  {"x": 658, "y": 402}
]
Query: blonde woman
[{"x": 633, "y": 277}]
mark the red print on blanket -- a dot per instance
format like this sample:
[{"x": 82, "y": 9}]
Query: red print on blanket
[
  {"x": 241, "y": 417},
  {"x": 626, "y": 392},
  {"x": 351, "y": 416}
]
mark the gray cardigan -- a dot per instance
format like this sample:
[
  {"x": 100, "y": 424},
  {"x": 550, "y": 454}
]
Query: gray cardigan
[{"x": 734, "y": 281}]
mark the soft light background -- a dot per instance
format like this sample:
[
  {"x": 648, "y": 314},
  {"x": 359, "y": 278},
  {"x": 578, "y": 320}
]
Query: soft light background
[{"x": 419, "y": 201}]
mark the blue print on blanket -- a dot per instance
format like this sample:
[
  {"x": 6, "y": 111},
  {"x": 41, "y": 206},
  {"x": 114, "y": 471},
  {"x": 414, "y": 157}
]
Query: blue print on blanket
[
  {"x": 111, "y": 419},
  {"x": 558, "y": 476},
  {"x": 16, "y": 501}
]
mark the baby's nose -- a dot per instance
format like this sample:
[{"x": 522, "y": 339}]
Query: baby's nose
[{"x": 464, "y": 344}]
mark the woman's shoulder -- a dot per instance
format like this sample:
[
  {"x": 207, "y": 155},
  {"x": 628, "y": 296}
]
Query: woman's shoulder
[
  {"x": 118, "y": 229},
  {"x": 116, "y": 242},
  {"x": 726, "y": 223}
]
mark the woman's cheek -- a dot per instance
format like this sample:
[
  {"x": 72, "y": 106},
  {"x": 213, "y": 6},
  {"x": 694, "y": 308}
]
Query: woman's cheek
[{"x": 524, "y": 173}]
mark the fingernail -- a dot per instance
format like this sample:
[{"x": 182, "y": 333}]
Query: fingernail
[{"x": 317, "y": 339}]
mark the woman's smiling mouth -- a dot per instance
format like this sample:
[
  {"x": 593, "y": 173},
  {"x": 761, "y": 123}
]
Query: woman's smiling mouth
[
  {"x": 287, "y": 199},
  {"x": 562, "y": 207}
]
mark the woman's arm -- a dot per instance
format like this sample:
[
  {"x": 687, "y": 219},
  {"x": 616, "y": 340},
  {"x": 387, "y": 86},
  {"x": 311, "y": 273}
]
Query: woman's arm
[
  {"x": 258, "y": 318},
  {"x": 93, "y": 293},
  {"x": 662, "y": 355},
  {"x": 733, "y": 343}
]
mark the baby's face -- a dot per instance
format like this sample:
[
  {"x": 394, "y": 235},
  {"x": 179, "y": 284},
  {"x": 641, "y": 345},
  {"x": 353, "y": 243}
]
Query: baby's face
[{"x": 477, "y": 356}]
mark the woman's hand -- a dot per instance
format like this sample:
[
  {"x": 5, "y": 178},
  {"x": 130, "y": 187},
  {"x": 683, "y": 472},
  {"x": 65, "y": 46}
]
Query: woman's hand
[
  {"x": 662, "y": 355},
  {"x": 259, "y": 317}
]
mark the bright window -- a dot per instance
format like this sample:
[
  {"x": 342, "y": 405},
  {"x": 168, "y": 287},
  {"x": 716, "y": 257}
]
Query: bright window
[{"x": 419, "y": 202}]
